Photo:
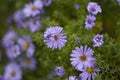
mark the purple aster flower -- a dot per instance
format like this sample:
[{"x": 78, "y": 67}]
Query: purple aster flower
[
  {"x": 77, "y": 6},
  {"x": 118, "y": 1},
  {"x": 34, "y": 25},
  {"x": 33, "y": 9},
  {"x": 12, "y": 72},
  {"x": 77, "y": 40},
  {"x": 47, "y": 2},
  {"x": 55, "y": 38},
  {"x": 28, "y": 63},
  {"x": 89, "y": 73},
  {"x": 93, "y": 8},
  {"x": 27, "y": 45},
  {"x": 59, "y": 71},
  {"x": 72, "y": 78},
  {"x": 82, "y": 57},
  {"x": 19, "y": 16},
  {"x": 89, "y": 22},
  {"x": 13, "y": 52},
  {"x": 98, "y": 40},
  {"x": 9, "y": 38},
  {"x": 1, "y": 77}
]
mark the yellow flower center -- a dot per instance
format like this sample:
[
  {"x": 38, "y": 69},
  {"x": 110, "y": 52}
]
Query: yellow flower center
[
  {"x": 27, "y": 61},
  {"x": 90, "y": 70},
  {"x": 26, "y": 45},
  {"x": 56, "y": 37},
  {"x": 12, "y": 73},
  {"x": 33, "y": 8},
  {"x": 83, "y": 57}
]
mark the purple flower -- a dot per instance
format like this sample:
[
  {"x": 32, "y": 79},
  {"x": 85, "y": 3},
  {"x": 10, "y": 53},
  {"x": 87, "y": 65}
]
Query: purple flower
[
  {"x": 1, "y": 77},
  {"x": 89, "y": 73},
  {"x": 55, "y": 38},
  {"x": 26, "y": 45},
  {"x": 13, "y": 52},
  {"x": 33, "y": 9},
  {"x": 89, "y": 22},
  {"x": 118, "y": 1},
  {"x": 47, "y": 2},
  {"x": 93, "y": 8},
  {"x": 77, "y": 40},
  {"x": 9, "y": 38},
  {"x": 59, "y": 71},
  {"x": 72, "y": 78},
  {"x": 77, "y": 6},
  {"x": 28, "y": 63},
  {"x": 82, "y": 57},
  {"x": 98, "y": 40},
  {"x": 19, "y": 16},
  {"x": 12, "y": 72},
  {"x": 34, "y": 25}
]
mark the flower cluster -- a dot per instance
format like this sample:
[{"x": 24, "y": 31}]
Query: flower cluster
[
  {"x": 20, "y": 51},
  {"x": 93, "y": 9},
  {"x": 29, "y": 17},
  {"x": 82, "y": 59}
]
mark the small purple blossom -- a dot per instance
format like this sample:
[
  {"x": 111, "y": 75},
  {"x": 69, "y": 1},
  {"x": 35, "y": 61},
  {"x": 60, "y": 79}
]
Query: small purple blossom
[
  {"x": 72, "y": 78},
  {"x": 28, "y": 63},
  {"x": 98, "y": 40},
  {"x": 34, "y": 25},
  {"x": 1, "y": 77},
  {"x": 47, "y": 2},
  {"x": 77, "y": 40},
  {"x": 82, "y": 57},
  {"x": 94, "y": 8},
  {"x": 59, "y": 71},
  {"x": 77, "y": 6},
  {"x": 55, "y": 38},
  {"x": 89, "y": 73},
  {"x": 19, "y": 16},
  {"x": 13, "y": 52},
  {"x": 118, "y": 1},
  {"x": 9, "y": 39},
  {"x": 33, "y": 9},
  {"x": 12, "y": 72},
  {"x": 26, "y": 45},
  {"x": 89, "y": 22}
]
